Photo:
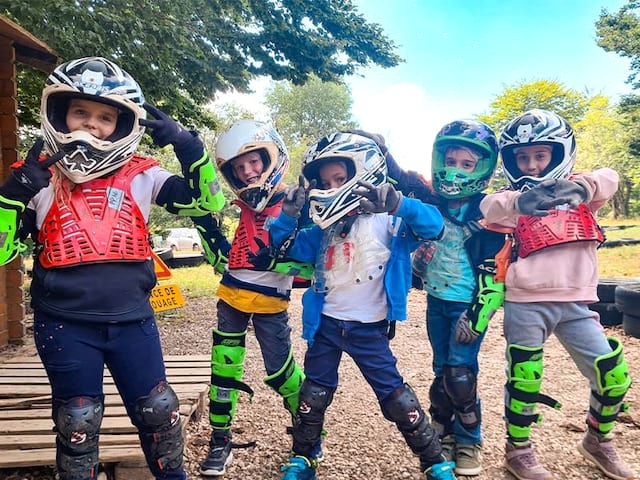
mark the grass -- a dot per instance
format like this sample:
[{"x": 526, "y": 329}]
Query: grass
[
  {"x": 195, "y": 282},
  {"x": 620, "y": 261}
]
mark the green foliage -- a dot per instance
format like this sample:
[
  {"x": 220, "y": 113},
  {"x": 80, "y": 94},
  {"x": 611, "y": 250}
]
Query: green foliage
[
  {"x": 619, "y": 32},
  {"x": 183, "y": 52},
  {"x": 546, "y": 94},
  {"x": 304, "y": 113}
]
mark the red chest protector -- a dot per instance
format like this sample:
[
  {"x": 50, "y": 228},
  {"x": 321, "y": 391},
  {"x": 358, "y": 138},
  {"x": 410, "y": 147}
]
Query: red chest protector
[
  {"x": 560, "y": 226},
  {"x": 250, "y": 226},
  {"x": 97, "y": 221}
]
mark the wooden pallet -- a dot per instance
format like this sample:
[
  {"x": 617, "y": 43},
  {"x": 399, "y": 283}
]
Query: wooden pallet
[{"x": 26, "y": 436}]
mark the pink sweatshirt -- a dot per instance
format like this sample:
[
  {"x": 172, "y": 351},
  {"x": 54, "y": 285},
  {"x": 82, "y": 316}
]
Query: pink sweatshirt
[{"x": 561, "y": 273}]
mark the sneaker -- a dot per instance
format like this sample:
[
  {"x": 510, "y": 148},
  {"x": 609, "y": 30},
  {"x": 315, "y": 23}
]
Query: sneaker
[
  {"x": 299, "y": 468},
  {"x": 523, "y": 464},
  {"x": 219, "y": 455},
  {"x": 602, "y": 453},
  {"x": 448, "y": 443},
  {"x": 440, "y": 471},
  {"x": 468, "y": 459}
]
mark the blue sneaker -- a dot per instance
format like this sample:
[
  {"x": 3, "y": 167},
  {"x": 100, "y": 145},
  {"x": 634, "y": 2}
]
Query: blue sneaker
[
  {"x": 440, "y": 471},
  {"x": 299, "y": 468}
]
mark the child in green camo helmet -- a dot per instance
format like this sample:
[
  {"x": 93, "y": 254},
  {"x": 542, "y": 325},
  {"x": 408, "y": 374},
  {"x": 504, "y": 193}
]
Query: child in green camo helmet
[{"x": 458, "y": 273}]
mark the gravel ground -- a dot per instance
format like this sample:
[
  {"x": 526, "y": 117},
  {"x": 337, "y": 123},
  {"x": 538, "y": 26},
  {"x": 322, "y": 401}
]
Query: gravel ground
[{"x": 363, "y": 445}]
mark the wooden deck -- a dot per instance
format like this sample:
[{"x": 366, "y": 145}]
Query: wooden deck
[{"x": 26, "y": 436}]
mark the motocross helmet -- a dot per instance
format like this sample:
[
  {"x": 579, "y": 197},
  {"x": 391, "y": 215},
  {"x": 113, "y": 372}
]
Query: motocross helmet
[
  {"x": 538, "y": 127},
  {"x": 100, "y": 80},
  {"x": 363, "y": 160},
  {"x": 247, "y": 136},
  {"x": 451, "y": 182}
]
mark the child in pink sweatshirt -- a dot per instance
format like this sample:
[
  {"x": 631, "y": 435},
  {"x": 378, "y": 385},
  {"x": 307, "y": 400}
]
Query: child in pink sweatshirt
[{"x": 549, "y": 284}]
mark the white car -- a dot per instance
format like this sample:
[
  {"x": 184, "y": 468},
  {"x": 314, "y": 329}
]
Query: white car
[{"x": 184, "y": 239}]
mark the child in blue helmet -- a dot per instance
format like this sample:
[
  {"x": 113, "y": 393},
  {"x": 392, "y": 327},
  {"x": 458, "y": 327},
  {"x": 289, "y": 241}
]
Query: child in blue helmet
[
  {"x": 459, "y": 274},
  {"x": 365, "y": 231}
]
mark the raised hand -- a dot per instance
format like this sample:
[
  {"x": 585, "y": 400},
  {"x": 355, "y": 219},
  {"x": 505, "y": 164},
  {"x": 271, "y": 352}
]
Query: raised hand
[
  {"x": 566, "y": 191},
  {"x": 378, "y": 199},
  {"x": 32, "y": 176},
  {"x": 165, "y": 130},
  {"x": 295, "y": 197}
]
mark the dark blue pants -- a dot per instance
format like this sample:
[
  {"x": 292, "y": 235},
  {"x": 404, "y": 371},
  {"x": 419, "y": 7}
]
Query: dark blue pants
[
  {"x": 366, "y": 343},
  {"x": 74, "y": 355}
]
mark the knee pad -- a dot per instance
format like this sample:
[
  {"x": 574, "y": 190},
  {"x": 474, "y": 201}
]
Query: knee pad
[
  {"x": 227, "y": 367},
  {"x": 524, "y": 379},
  {"x": 157, "y": 417},
  {"x": 403, "y": 408},
  {"x": 613, "y": 380},
  {"x": 307, "y": 429},
  {"x": 286, "y": 382},
  {"x": 441, "y": 408},
  {"x": 77, "y": 424},
  {"x": 460, "y": 385}
]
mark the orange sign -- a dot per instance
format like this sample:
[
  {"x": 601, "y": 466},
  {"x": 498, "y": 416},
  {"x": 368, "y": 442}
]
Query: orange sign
[{"x": 162, "y": 271}]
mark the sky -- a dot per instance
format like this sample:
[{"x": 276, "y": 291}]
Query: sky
[{"x": 461, "y": 54}]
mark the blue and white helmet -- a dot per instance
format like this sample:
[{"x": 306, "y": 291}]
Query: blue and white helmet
[
  {"x": 537, "y": 127},
  {"x": 363, "y": 161},
  {"x": 99, "y": 80}
]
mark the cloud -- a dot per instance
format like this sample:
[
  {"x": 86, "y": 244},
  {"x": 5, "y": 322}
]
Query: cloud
[{"x": 408, "y": 118}]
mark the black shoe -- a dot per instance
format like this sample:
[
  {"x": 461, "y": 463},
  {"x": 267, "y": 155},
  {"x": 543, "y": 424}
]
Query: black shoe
[{"x": 219, "y": 455}]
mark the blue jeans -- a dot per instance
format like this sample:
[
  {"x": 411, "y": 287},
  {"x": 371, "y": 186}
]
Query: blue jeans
[
  {"x": 442, "y": 316},
  {"x": 366, "y": 343}
]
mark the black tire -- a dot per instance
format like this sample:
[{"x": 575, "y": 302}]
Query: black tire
[
  {"x": 631, "y": 325},
  {"x": 609, "y": 314},
  {"x": 628, "y": 299}
]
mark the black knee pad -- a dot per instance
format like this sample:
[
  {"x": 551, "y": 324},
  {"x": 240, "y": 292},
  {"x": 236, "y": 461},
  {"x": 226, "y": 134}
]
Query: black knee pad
[
  {"x": 460, "y": 385},
  {"x": 441, "y": 408},
  {"x": 403, "y": 408},
  {"x": 77, "y": 423},
  {"x": 313, "y": 403},
  {"x": 157, "y": 417}
]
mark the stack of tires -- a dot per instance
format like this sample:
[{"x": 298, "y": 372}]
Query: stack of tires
[
  {"x": 619, "y": 304},
  {"x": 628, "y": 302}
]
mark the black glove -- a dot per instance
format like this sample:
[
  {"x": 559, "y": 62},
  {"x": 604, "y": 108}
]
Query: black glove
[
  {"x": 295, "y": 198},
  {"x": 566, "y": 191},
  {"x": 383, "y": 198},
  {"x": 264, "y": 259},
  {"x": 165, "y": 130},
  {"x": 376, "y": 137},
  {"x": 34, "y": 175},
  {"x": 539, "y": 200},
  {"x": 464, "y": 333}
]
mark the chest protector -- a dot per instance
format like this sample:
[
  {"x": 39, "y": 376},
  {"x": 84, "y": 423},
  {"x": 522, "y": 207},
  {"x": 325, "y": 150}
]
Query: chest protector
[
  {"x": 252, "y": 225},
  {"x": 97, "y": 221},
  {"x": 560, "y": 226}
]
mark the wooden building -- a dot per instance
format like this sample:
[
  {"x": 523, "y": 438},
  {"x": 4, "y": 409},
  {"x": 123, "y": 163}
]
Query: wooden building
[{"x": 16, "y": 46}]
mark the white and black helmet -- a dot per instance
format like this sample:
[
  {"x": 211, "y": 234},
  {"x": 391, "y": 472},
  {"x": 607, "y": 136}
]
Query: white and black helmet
[
  {"x": 363, "y": 161},
  {"x": 99, "y": 80},
  {"x": 540, "y": 127},
  {"x": 248, "y": 136}
]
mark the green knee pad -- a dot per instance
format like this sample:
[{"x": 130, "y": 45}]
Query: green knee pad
[
  {"x": 612, "y": 375},
  {"x": 10, "y": 245},
  {"x": 525, "y": 369},
  {"x": 286, "y": 382},
  {"x": 227, "y": 367}
]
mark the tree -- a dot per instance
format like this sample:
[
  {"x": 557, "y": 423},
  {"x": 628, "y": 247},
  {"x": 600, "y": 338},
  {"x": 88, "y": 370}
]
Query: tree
[
  {"x": 183, "y": 52},
  {"x": 304, "y": 113},
  {"x": 546, "y": 94},
  {"x": 619, "y": 32}
]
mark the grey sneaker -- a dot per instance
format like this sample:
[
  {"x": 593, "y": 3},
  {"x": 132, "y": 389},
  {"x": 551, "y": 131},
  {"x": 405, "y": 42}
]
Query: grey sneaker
[
  {"x": 602, "y": 453},
  {"x": 468, "y": 459},
  {"x": 449, "y": 447},
  {"x": 523, "y": 464},
  {"x": 219, "y": 455}
]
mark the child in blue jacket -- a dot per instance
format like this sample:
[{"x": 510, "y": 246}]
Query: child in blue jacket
[{"x": 361, "y": 245}]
